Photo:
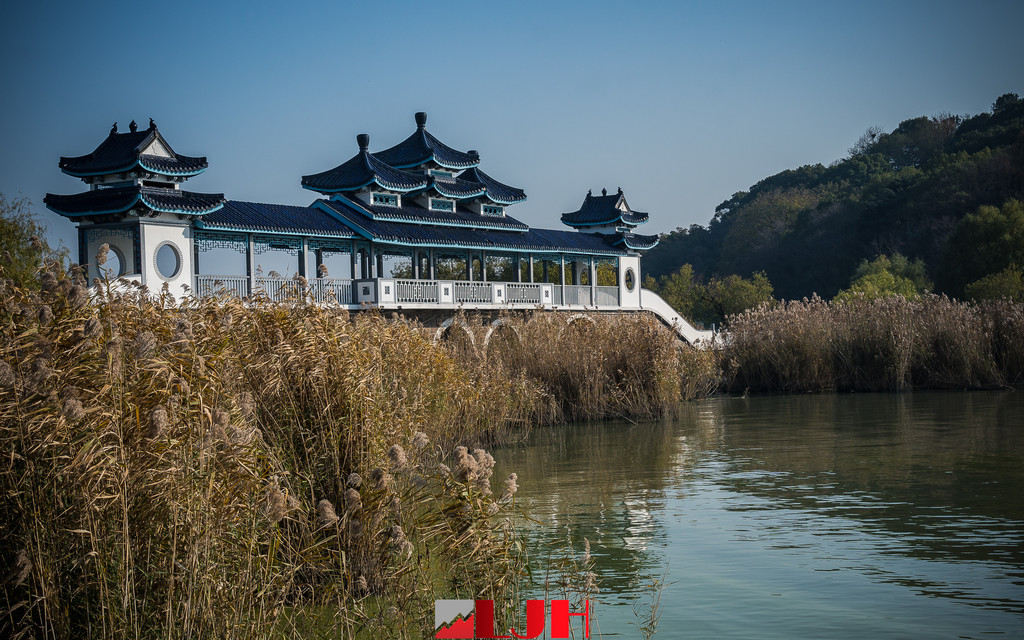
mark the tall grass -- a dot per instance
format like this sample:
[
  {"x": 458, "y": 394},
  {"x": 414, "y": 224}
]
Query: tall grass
[
  {"x": 886, "y": 344},
  {"x": 220, "y": 469},
  {"x": 592, "y": 367},
  {"x": 229, "y": 470}
]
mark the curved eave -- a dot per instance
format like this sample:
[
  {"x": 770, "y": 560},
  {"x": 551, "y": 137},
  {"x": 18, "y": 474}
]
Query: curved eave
[
  {"x": 627, "y": 219},
  {"x": 365, "y": 170},
  {"x": 637, "y": 243},
  {"x": 53, "y": 203},
  {"x": 182, "y": 212},
  {"x": 503, "y": 201},
  {"x": 456, "y": 194},
  {"x": 499, "y": 193},
  {"x": 120, "y": 203},
  {"x": 190, "y": 166},
  {"x": 187, "y": 173}
]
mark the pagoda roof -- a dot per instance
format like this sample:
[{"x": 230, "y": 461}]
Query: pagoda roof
[
  {"x": 458, "y": 189},
  {"x": 496, "y": 191},
  {"x": 604, "y": 210},
  {"x": 119, "y": 200},
  {"x": 412, "y": 212},
  {"x": 634, "y": 241},
  {"x": 123, "y": 152},
  {"x": 362, "y": 170},
  {"x": 421, "y": 147},
  {"x": 535, "y": 240},
  {"x": 236, "y": 215}
]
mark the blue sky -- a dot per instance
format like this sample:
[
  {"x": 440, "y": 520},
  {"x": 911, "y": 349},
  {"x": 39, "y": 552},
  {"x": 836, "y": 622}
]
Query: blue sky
[{"x": 680, "y": 104}]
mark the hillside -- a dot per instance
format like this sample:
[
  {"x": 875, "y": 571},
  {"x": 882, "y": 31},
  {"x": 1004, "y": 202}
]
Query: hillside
[{"x": 904, "y": 191}]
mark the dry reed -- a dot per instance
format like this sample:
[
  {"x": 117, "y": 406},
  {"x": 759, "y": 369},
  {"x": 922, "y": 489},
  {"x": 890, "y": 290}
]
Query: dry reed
[{"x": 886, "y": 344}]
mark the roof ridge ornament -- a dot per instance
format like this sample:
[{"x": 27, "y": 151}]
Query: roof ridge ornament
[
  {"x": 473, "y": 153},
  {"x": 421, "y": 119},
  {"x": 152, "y": 125},
  {"x": 113, "y": 129},
  {"x": 133, "y": 127},
  {"x": 604, "y": 192},
  {"x": 363, "y": 140}
]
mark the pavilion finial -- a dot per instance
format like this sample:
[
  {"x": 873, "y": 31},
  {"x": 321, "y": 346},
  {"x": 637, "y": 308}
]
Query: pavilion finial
[
  {"x": 113, "y": 129},
  {"x": 133, "y": 126},
  {"x": 363, "y": 140},
  {"x": 152, "y": 125},
  {"x": 421, "y": 119}
]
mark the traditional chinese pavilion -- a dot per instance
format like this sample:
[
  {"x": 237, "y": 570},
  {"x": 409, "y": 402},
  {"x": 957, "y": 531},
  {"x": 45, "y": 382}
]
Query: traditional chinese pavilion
[{"x": 417, "y": 225}]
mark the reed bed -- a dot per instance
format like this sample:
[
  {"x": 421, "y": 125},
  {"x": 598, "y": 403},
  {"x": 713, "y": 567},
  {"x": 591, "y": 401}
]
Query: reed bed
[
  {"x": 244, "y": 471},
  {"x": 262, "y": 470},
  {"x": 592, "y": 367},
  {"x": 886, "y": 344}
]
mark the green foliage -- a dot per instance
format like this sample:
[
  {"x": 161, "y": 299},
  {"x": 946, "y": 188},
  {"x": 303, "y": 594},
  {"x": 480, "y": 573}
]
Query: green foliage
[
  {"x": 732, "y": 294},
  {"x": 1008, "y": 283},
  {"x": 985, "y": 242},
  {"x": 902, "y": 191},
  {"x": 22, "y": 246},
  {"x": 714, "y": 301},
  {"x": 888, "y": 276}
]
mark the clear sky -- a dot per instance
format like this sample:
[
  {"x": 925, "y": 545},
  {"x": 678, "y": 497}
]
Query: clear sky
[{"x": 681, "y": 104}]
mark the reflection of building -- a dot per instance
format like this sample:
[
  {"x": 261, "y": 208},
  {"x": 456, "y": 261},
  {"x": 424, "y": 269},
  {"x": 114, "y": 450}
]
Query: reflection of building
[{"x": 417, "y": 225}]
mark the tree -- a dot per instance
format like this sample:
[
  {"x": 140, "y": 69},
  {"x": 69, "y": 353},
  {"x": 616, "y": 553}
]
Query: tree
[
  {"x": 712, "y": 302},
  {"x": 985, "y": 242},
  {"x": 1005, "y": 101},
  {"x": 1008, "y": 283},
  {"x": 732, "y": 294},
  {"x": 22, "y": 245},
  {"x": 888, "y": 276}
]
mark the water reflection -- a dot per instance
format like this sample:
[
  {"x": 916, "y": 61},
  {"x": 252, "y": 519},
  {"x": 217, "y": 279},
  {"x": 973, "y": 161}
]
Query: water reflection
[{"x": 825, "y": 516}]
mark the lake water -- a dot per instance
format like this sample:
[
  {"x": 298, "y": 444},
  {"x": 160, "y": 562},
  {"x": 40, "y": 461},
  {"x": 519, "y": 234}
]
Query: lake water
[{"x": 823, "y": 516}]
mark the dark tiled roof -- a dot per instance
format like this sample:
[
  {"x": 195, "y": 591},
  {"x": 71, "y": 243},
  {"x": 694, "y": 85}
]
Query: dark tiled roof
[
  {"x": 361, "y": 170},
  {"x": 421, "y": 147},
  {"x": 603, "y": 209},
  {"x": 458, "y": 189},
  {"x": 121, "y": 199},
  {"x": 257, "y": 216},
  {"x": 496, "y": 191},
  {"x": 442, "y": 236},
  {"x": 415, "y": 213},
  {"x": 635, "y": 241},
  {"x": 122, "y": 152}
]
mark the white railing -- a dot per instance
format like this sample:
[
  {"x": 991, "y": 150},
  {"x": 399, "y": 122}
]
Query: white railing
[
  {"x": 607, "y": 296},
  {"x": 423, "y": 291},
  {"x": 522, "y": 293},
  {"x": 331, "y": 290},
  {"x": 473, "y": 292},
  {"x": 326, "y": 290},
  {"x": 279, "y": 289},
  {"x": 210, "y": 285},
  {"x": 577, "y": 295}
]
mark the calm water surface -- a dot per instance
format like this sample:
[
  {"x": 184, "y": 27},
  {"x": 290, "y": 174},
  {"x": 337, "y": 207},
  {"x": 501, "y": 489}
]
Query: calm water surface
[{"x": 831, "y": 516}]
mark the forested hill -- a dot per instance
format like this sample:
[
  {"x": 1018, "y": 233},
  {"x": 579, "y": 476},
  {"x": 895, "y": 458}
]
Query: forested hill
[{"x": 899, "y": 192}]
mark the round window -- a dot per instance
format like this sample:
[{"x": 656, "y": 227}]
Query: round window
[
  {"x": 168, "y": 261},
  {"x": 630, "y": 279},
  {"x": 114, "y": 266}
]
